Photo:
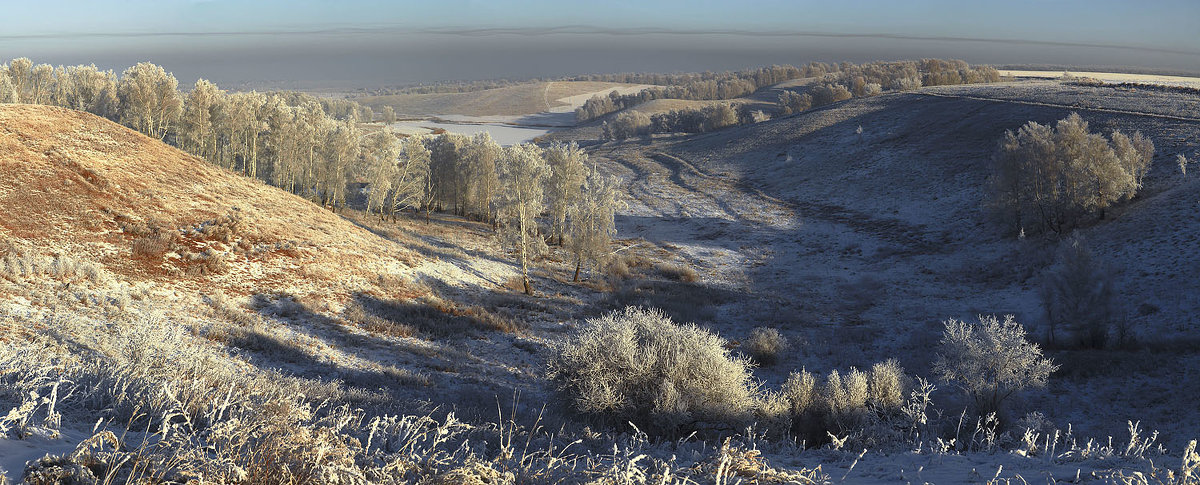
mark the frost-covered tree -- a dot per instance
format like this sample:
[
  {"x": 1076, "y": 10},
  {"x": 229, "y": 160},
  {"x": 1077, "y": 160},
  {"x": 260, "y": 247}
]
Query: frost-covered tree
[
  {"x": 87, "y": 88},
  {"x": 389, "y": 114},
  {"x": 628, "y": 124},
  {"x": 339, "y": 148},
  {"x": 412, "y": 187},
  {"x": 1079, "y": 295},
  {"x": 1180, "y": 160},
  {"x": 41, "y": 85},
  {"x": 1134, "y": 154},
  {"x": 590, "y": 220},
  {"x": 479, "y": 176},
  {"x": 8, "y": 92},
  {"x": 990, "y": 360},
  {"x": 380, "y": 153},
  {"x": 242, "y": 125},
  {"x": 19, "y": 72},
  {"x": 150, "y": 101},
  {"x": 521, "y": 200},
  {"x": 567, "y": 173},
  {"x": 1046, "y": 179},
  {"x": 197, "y": 132},
  {"x": 445, "y": 169}
]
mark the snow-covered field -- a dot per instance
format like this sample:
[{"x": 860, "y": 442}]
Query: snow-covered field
[
  {"x": 861, "y": 245},
  {"x": 509, "y": 129},
  {"x": 1111, "y": 77},
  {"x": 856, "y": 244}
]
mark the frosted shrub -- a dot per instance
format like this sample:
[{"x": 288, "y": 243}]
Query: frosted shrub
[
  {"x": 1182, "y": 161},
  {"x": 765, "y": 344},
  {"x": 886, "y": 386},
  {"x": 869, "y": 406},
  {"x": 637, "y": 365},
  {"x": 990, "y": 360}
]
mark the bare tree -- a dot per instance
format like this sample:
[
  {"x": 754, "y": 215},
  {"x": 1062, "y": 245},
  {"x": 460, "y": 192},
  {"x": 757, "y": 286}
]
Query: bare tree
[
  {"x": 566, "y": 176},
  {"x": 591, "y": 220},
  {"x": 524, "y": 172},
  {"x": 150, "y": 101}
]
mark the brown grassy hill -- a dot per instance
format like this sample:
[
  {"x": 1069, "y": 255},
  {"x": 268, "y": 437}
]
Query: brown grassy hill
[{"x": 78, "y": 185}]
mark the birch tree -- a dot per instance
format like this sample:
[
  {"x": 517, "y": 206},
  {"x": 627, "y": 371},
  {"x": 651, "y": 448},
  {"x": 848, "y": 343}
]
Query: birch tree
[
  {"x": 8, "y": 92},
  {"x": 566, "y": 176},
  {"x": 380, "y": 153},
  {"x": 19, "y": 71},
  {"x": 150, "y": 101},
  {"x": 479, "y": 177},
  {"x": 339, "y": 148},
  {"x": 524, "y": 173},
  {"x": 411, "y": 186},
  {"x": 197, "y": 132},
  {"x": 591, "y": 224}
]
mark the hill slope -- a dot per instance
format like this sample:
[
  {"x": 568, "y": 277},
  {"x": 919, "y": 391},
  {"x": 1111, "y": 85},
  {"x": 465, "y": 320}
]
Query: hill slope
[
  {"x": 861, "y": 244},
  {"x": 79, "y": 185}
]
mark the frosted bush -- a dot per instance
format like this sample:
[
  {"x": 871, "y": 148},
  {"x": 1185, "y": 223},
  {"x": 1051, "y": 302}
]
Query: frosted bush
[
  {"x": 990, "y": 360},
  {"x": 765, "y": 344},
  {"x": 637, "y": 365}
]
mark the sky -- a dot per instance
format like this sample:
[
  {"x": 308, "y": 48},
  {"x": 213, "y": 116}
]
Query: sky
[{"x": 368, "y": 43}]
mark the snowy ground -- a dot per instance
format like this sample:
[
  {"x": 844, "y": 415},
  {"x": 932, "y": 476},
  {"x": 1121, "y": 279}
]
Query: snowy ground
[
  {"x": 859, "y": 246},
  {"x": 1111, "y": 77},
  {"x": 508, "y": 129}
]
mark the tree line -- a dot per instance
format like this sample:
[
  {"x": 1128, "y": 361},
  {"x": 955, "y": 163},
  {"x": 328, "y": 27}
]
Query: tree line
[
  {"x": 314, "y": 147},
  {"x": 837, "y": 80}
]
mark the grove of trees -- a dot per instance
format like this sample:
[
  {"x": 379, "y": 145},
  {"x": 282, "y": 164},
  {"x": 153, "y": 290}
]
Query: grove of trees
[
  {"x": 314, "y": 147},
  {"x": 1048, "y": 178}
]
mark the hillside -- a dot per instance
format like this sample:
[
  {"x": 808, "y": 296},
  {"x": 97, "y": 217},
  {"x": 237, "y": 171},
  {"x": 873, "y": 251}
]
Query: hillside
[
  {"x": 127, "y": 264},
  {"x": 81, "y": 186},
  {"x": 862, "y": 244}
]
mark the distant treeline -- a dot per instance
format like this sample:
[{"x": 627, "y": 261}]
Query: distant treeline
[
  {"x": 449, "y": 87},
  {"x": 688, "y": 120},
  {"x": 838, "y": 81}
]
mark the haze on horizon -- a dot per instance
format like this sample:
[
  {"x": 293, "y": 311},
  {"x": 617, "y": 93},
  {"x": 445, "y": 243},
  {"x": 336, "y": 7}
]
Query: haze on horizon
[{"x": 367, "y": 43}]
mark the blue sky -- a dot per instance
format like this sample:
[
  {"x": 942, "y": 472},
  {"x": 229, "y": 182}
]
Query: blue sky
[{"x": 1162, "y": 33}]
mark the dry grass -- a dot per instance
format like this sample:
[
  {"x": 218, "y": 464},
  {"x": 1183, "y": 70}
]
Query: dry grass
[
  {"x": 678, "y": 272},
  {"x": 764, "y": 345},
  {"x": 81, "y": 183}
]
